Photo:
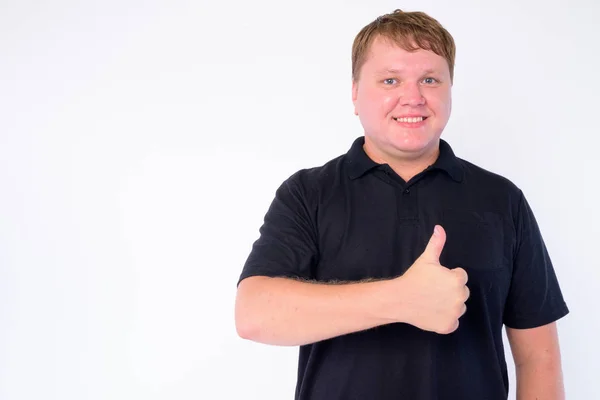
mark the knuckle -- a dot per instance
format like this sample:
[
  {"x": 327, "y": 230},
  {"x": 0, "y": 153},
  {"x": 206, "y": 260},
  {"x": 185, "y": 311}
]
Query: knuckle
[
  {"x": 467, "y": 294},
  {"x": 459, "y": 278},
  {"x": 448, "y": 326},
  {"x": 451, "y": 327},
  {"x": 454, "y": 326}
]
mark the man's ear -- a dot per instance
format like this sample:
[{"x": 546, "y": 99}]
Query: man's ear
[{"x": 354, "y": 95}]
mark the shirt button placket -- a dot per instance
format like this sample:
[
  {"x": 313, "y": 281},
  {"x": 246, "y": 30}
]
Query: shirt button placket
[{"x": 409, "y": 203}]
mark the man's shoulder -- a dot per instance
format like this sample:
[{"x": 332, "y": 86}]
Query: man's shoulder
[
  {"x": 319, "y": 177},
  {"x": 485, "y": 178}
]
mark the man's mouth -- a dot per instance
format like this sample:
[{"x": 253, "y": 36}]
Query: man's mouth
[{"x": 409, "y": 120}]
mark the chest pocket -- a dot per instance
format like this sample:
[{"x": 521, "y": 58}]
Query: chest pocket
[{"x": 474, "y": 240}]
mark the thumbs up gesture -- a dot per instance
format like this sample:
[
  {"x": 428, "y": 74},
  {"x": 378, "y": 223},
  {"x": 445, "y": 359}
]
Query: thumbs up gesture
[{"x": 433, "y": 296}]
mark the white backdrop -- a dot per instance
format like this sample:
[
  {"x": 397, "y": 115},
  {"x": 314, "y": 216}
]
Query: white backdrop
[{"x": 141, "y": 143}]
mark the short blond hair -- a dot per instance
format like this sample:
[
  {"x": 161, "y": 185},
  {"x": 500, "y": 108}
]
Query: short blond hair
[{"x": 410, "y": 31}]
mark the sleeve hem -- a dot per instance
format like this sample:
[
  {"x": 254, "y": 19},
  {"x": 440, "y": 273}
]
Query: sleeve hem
[
  {"x": 263, "y": 272},
  {"x": 535, "y": 321}
]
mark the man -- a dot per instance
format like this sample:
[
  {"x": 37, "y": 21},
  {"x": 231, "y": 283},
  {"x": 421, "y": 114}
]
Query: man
[{"x": 395, "y": 266}]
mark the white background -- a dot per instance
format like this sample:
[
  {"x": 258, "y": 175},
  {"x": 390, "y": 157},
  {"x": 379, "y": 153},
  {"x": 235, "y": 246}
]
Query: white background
[{"x": 141, "y": 143}]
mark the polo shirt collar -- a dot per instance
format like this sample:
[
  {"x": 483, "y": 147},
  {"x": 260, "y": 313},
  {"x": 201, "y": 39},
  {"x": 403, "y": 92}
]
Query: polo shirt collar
[{"x": 359, "y": 162}]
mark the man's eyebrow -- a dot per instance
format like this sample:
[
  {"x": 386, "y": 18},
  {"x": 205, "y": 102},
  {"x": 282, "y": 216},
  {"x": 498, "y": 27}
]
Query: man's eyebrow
[{"x": 399, "y": 71}]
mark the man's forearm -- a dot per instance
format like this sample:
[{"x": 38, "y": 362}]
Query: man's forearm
[
  {"x": 540, "y": 380},
  {"x": 288, "y": 312}
]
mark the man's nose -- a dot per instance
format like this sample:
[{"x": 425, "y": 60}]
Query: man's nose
[{"x": 411, "y": 95}]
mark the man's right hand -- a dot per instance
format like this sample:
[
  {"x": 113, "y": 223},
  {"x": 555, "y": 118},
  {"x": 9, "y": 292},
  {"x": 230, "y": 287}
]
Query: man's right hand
[{"x": 433, "y": 296}]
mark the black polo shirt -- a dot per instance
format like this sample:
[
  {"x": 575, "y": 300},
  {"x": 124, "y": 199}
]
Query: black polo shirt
[{"x": 352, "y": 219}]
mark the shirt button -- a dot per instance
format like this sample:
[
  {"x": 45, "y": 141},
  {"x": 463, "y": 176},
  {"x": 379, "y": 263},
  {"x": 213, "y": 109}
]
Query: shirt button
[{"x": 406, "y": 191}]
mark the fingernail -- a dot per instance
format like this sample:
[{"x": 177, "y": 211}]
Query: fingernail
[{"x": 436, "y": 231}]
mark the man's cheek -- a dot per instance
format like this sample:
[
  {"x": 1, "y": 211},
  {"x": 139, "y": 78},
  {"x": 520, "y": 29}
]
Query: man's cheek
[{"x": 388, "y": 103}]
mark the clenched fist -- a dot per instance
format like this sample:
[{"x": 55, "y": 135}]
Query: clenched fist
[{"x": 433, "y": 296}]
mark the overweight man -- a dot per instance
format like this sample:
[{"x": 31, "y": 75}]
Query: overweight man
[{"x": 394, "y": 267}]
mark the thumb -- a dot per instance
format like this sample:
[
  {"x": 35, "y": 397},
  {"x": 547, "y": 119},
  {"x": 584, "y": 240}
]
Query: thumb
[{"x": 436, "y": 245}]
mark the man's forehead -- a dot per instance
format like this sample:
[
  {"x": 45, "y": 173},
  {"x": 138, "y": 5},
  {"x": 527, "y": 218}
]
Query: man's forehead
[
  {"x": 387, "y": 46},
  {"x": 385, "y": 56},
  {"x": 385, "y": 42}
]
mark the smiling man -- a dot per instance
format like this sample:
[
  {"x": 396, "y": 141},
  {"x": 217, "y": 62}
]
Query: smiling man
[{"x": 396, "y": 266}]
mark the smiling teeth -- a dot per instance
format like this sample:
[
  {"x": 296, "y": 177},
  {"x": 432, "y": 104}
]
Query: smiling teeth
[{"x": 410, "y": 120}]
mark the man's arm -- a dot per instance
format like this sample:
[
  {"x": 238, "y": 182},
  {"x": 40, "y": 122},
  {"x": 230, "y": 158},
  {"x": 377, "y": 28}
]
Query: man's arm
[
  {"x": 538, "y": 368},
  {"x": 288, "y": 312}
]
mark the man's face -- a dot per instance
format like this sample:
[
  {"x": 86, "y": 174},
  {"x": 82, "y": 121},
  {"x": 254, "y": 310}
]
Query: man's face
[{"x": 403, "y": 100}]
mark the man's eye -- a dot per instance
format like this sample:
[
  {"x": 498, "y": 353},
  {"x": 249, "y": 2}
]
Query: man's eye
[
  {"x": 389, "y": 81},
  {"x": 430, "y": 80}
]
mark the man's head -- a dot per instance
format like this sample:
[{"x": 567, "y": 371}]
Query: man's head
[{"x": 403, "y": 67}]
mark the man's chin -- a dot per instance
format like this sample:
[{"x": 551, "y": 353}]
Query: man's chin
[{"x": 415, "y": 147}]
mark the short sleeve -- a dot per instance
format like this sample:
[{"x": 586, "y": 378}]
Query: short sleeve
[
  {"x": 534, "y": 298},
  {"x": 286, "y": 246}
]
